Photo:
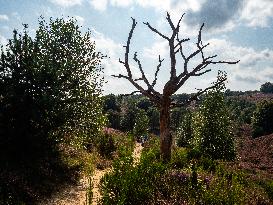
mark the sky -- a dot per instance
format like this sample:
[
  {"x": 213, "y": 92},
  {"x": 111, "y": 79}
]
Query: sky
[{"x": 236, "y": 30}]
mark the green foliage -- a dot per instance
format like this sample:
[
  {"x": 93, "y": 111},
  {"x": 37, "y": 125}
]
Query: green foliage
[
  {"x": 241, "y": 110},
  {"x": 212, "y": 133},
  {"x": 179, "y": 158},
  {"x": 153, "y": 115},
  {"x": 151, "y": 182},
  {"x": 267, "y": 87},
  {"x": 176, "y": 117},
  {"x": 268, "y": 186},
  {"x": 141, "y": 124},
  {"x": 128, "y": 114},
  {"x": 262, "y": 119},
  {"x": 184, "y": 131},
  {"x": 144, "y": 103},
  {"x": 129, "y": 184},
  {"x": 50, "y": 88},
  {"x": 106, "y": 145}
]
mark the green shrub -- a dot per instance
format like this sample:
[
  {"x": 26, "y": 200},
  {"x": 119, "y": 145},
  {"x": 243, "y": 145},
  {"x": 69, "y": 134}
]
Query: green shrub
[
  {"x": 106, "y": 145},
  {"x": 141, "y": 124},
  {"x": 184, "y": 132},
  {"x": 268, "y": 187},
  {"x": 212, "y": 128},
  {"x": 262, "y": 119},
  {"x": 179, "y": 158},
  {"x": 129, "y": 184}
]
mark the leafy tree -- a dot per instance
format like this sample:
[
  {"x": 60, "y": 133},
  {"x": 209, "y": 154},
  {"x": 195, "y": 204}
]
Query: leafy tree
[
  {"x": 141, "y": 124},
  {"x": 112, "y": 110},
  {"x": 176, "y": 117},
  {"x": 184, "y": 131},
  {"x": 262, "y": 119},
  {"x": 267, "y": 87},
  {"x": 110, "y": 103},
  {"x": 153, "y": 115},
  {"x": 49, "y": 91},
  {"x": 211, "y": 128},
  {"x": 144, "y": 103},
  {"x": 163, "y": 100},
  {"x": 128, "y": 114}
]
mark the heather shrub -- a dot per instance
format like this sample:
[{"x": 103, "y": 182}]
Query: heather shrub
[
  {"x": 132, "y": 184},
  {"x": 106, "y": 145}
]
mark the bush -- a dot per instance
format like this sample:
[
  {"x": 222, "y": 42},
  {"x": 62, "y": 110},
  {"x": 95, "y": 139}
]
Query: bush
[
  {"x": 47, "y": 96},
  {"x": 106, "y": 145},
  {"x": 141, "y": 124},
  {"x": 268, "y": 187},
  {"x": 179, "y": 158},
  {"x": 212, "y": 128},
  {"x": 184, "y": 132},
  {"x": 267, "y": 87},
  {"x": 129, "y": 184},
  {"x": 262, "y": 119}
]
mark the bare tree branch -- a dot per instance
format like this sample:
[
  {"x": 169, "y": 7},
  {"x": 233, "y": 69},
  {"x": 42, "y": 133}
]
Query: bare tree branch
[
  {"x": 180, "y": 42},
  {"x": 201, "y": 73},
  {"x": 120, "y": 76},
  {"x": 219, "y": 82},
  {"x": 179, "y": 21},
  {"x": 170, "y": 21},
  {"x": 155, "y": 30},
  {"x": 200, "y": 50},
  {"x": 132, "y": 93},
  {"x": 141, "y": 70},
  {"x": 127, "y": 47},
  {"x": 157, "y": 70},
  {"x": 138, "y": 79}
]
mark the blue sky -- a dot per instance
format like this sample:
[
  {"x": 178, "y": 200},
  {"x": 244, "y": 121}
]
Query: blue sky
[{"x": 236, "y": 29}]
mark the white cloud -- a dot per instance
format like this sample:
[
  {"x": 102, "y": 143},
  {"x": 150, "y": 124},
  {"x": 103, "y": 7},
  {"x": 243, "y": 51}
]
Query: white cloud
[
  {"x": 254, "y": 67},
  {"x": 3, "y": 40},
  {"x": 4, "y": 17},
  {"x": 121, "y": 3},
  {"x": 174, "y": 6},
  {"x": 257, "y": 13},
  {"x": 100, "y": 5},
  {"x": 67, "y": 3},
  {"x": 157, "y": 48},
  {"x": 111, "y": 64},
  {"x": 80, "y": 20}
]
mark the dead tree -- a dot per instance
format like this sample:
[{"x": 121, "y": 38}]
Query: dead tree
[{"x": 163, "y": 100}]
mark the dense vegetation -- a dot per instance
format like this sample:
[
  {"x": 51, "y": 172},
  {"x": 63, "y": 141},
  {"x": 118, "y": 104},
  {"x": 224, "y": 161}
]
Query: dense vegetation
[
  {"x": 50, "y": 88},
  {"x": 267, "y": 87},
  {"x": 55, "y": 126}
]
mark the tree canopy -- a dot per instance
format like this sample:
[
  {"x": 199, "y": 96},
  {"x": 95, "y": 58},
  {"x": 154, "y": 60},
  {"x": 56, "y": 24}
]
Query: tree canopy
[
  {"x": 267, "y": 87},
  {"x": 50, "y": 87}
]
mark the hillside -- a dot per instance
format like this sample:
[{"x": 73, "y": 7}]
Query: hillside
[{"x": 256, "y": 155}]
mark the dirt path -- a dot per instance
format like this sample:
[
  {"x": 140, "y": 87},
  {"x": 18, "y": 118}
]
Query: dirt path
[
  {"x": 137, "y": 152},
  {"x": 76, "y": 195},
  {"x": 71, "y": 195},
  {"x": 96, "y": 180}
]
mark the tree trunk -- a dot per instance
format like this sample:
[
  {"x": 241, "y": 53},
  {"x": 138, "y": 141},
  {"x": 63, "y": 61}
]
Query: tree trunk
[{"x": 165, "y": 134}]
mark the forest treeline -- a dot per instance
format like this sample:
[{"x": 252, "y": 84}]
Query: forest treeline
[{"x": 126, "y": 112}]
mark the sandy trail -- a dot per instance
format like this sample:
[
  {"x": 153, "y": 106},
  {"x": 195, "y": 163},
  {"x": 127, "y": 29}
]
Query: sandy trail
[
  {"x": 71, "y": 195},
  {"x": 76, "y": 195},
  {"x": 96, "y": 181}
]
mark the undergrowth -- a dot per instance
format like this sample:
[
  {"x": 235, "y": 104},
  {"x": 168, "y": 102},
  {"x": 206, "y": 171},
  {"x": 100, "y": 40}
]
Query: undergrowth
[{"x": 189, "y": 178}]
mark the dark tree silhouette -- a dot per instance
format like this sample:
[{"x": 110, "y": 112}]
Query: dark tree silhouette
[{"x": 163, "y": 100}]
